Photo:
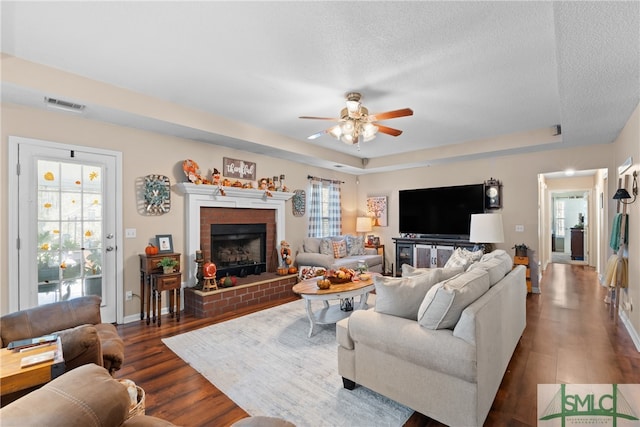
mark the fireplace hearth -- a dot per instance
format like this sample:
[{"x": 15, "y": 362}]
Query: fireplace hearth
[{"x": 238, "y": 249}]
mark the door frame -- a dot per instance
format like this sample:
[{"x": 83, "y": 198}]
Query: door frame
[{"x": 13, "y": 235}]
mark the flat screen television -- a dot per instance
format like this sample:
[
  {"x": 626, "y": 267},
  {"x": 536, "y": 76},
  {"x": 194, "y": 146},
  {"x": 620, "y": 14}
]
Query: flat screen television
[{"x": 441, "y": 212}]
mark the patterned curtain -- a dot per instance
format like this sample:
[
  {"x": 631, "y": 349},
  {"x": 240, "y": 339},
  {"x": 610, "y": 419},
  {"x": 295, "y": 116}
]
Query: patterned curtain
[
  {"x": 335, "y": 211},
  {"x": 325, "y": 210},
  {"x": 315, "y": 209}
]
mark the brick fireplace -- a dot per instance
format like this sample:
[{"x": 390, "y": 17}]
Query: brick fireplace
[{"x": 204, "y": 206}]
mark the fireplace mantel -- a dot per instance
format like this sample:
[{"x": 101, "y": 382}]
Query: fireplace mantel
[{"x": 198, "y": 196}]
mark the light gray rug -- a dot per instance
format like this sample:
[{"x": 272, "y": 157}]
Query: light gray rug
[{"x": 266, "y": 364}]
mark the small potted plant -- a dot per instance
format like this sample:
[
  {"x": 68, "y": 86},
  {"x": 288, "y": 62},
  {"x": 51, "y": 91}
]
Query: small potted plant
[
  {"x": 167, "y": 264},
  {"x": 521, "y": 249}
]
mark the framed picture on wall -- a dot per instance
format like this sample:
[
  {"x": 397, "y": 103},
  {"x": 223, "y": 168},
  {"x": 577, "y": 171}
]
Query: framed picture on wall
[
  {"x": 164, "y": 243},
  {"x": 377, "y": 209}
]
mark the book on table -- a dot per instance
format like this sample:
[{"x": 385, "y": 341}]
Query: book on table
[
  {"x": 37, "y": 358},
  {"x": 31, "y": 342}
]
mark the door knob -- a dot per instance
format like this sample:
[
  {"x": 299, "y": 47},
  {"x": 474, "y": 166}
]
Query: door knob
[{"x": 109, "y": 248}]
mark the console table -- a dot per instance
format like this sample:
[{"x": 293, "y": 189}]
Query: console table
[
  {"x": 425, "y": 252},
  {"x": 149, "y": 266}
]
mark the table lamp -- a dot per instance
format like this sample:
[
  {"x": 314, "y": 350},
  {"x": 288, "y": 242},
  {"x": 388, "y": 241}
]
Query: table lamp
[
  {"x": 486, "y": 229},
  {"x": 363, "y": 224}
]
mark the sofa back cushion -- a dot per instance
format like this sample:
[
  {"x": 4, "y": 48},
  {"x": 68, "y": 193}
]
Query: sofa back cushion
[
  {"x": 445, "y": 273},
  {"x": 312, "y": 244},
  {"x": 402, "y": 296},
  {"x": 326, "y": 246},
  {"x": 85, "y": 396},
  {"x": 496, "y": 267},
  {"x": 48, "y": 318},
  {"x": 444, "y": 302}
]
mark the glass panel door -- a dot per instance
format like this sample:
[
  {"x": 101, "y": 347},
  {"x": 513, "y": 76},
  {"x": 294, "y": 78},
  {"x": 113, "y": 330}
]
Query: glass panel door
[{"x": 70, "y": 230}]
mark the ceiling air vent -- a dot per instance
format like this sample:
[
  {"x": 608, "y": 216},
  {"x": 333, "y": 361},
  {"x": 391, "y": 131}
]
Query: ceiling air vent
[{"x": 64, "y": 105}]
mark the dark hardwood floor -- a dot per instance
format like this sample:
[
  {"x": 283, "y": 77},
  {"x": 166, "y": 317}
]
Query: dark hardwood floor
[{"x": 570, "y": 338}]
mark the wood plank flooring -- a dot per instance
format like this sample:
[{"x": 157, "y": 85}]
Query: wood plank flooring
[{"x": 570, "y": 337}]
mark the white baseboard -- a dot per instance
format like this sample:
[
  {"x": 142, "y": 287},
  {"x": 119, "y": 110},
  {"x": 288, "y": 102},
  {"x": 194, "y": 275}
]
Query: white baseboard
[
  {"x": 136, "y": 317},
  {"x": 632, "y": 332}
]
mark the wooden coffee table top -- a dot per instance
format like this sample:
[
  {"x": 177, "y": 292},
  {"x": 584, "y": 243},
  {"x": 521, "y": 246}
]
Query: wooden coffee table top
[{"x": 309, "y": 287}]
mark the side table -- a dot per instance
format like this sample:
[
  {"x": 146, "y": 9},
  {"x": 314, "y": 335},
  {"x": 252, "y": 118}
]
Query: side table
[
  {"x": 149, "y": 266},
  {"x": 13, "y": 378},
  {"x": 171, "y": 282},
  {"x": 378, "y": 247}
]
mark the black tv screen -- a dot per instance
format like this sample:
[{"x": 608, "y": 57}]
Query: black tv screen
[{"x": 442, "y": 212}]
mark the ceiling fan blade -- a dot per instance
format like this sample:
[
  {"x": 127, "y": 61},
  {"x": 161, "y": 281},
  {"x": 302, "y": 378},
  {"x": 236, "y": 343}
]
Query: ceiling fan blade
[
  {"x": 322, "y": 132},
  {"x": 391, "y": 114},
  {"x": 388, "y": 130},
  {"x": 320, "y": 118}
]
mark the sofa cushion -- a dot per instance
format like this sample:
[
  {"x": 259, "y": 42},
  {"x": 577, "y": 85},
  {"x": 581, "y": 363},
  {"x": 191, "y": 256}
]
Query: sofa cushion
[
  {"x": 312, "y": 244},
  {"x": 339, "y": 248},
  {"x": 462, "y": 257},
  {"x": 445, "y": 273},
  {"x": 496, "y": 267},
  {"x": 355, "y": 245},
  {"x": 445, "y": 301},
  {"x": 402, "y": 296}
]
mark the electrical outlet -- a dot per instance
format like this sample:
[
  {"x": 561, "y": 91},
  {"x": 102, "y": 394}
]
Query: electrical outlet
[
  {"x": 519, "y": 228},
  {"x": 129, "y": 295}
]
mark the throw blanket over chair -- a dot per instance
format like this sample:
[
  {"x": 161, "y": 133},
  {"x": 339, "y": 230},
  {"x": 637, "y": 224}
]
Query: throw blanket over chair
[{"x": 85, "y": 339}]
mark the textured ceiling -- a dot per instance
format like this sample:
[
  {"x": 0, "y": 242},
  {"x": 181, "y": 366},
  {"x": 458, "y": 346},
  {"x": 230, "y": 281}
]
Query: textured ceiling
[{"x": 471, "y": 71}]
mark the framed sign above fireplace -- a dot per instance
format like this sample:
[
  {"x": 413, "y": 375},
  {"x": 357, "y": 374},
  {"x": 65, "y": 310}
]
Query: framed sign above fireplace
[{"x": 240, "y": 169}]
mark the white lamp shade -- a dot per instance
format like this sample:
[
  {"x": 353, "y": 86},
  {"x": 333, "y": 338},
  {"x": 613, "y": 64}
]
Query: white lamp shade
[
  {"x": 486, "y": 228},
  {"x": 363, "y": 224}
]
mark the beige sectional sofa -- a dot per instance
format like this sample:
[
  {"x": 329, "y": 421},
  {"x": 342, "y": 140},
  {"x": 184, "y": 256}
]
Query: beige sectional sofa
[
  {"x": 438, "y": 342},
  {"x": 319, "y": 252}
]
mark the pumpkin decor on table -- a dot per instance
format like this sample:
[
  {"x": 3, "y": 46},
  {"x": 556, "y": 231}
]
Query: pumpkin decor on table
[
  {"x": 323, "y": 283},
  {"x": 151, "y": 250},
  {"x": 282, "y": 271},
  {"x": 341, "y": 275}
]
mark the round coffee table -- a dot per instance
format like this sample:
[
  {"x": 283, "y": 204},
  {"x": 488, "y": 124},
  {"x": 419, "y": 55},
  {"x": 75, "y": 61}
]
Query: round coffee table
[{"x": 345, "y": 292}]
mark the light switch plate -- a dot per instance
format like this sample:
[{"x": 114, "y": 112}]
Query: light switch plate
[
  {"x": 520, "y": 228},
  {"x": 130, "y": 233}
]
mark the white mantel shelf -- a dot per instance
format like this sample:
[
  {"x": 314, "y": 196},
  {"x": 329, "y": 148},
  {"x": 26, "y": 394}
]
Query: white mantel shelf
[
  {"x": 203, "y": 195},
  {"x": 244, "y": 193}
]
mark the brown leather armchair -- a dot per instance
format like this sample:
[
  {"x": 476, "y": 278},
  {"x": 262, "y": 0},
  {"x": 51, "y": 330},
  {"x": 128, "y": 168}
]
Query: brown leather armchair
[{"x": 85, "y": 339}]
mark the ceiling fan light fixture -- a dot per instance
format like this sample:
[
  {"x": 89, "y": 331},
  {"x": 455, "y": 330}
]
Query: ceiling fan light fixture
[
  {"x": 348, "y": 138},
  {"x": 353, "y": 107},
  {"x": 336, "y": 131}
]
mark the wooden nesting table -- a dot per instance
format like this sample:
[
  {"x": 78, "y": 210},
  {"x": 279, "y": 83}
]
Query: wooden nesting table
[
  {"x": 13, "y": 378},
  {"x": 333, "y": 313}
]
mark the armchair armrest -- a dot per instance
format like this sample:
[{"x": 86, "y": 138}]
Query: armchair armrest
[{"x": 80, "y": 346}]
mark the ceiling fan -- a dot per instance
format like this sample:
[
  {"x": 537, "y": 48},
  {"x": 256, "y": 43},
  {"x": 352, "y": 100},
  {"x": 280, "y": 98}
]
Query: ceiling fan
[{"x": 356, "y": 124}]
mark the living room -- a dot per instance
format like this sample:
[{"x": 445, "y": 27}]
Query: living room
[{"x": 147, "y": 152}]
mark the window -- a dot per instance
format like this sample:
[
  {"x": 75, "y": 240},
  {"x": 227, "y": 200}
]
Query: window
[
  {"x": 559, "y": 216},
  {"x": 325, "y": 210}
]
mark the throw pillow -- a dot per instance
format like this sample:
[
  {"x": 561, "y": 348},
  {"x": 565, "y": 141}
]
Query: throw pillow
[
  {"x": 355, "y": 245},
  {"x": 326, "y": 246},
  {"x": 496, "y": 267},
  {"x": 445, "y": 301},
  {"x": 462, "y": 257},
  {"x": 307, "y": 272},
  {"x": 402, "y": 296},
  {"x": 339, "y": 249}
]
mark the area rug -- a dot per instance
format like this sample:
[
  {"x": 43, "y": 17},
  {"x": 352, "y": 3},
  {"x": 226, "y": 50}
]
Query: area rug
[{"x": 265, "y": 363}]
